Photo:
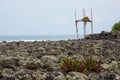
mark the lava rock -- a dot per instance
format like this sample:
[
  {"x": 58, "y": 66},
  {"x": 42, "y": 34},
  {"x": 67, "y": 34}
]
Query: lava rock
[
  {"x": 9, "y": 63},
  {"x": 7, "y": 72},
  {"x": 32, "y": 65},
  {"x": 50, "y": 62},
  {"x": 25, "y": 75},
  {"x": 76, "y": 76}
]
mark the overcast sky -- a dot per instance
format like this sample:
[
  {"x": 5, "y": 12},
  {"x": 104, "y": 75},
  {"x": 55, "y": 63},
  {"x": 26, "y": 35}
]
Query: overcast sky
[{"x": 55, "y": 17}]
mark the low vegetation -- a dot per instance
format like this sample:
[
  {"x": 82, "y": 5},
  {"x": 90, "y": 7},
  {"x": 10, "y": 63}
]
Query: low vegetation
[
  {"x": 116, "y": 26},
  {"x": 80, "y": 65}
]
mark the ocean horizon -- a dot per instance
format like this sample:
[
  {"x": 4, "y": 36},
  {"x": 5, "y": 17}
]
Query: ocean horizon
[{"x": 37, "y": 37}]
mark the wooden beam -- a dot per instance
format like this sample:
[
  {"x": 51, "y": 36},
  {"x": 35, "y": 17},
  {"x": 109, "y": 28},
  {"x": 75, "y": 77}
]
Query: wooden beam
[{"x": 76, "y": 26}]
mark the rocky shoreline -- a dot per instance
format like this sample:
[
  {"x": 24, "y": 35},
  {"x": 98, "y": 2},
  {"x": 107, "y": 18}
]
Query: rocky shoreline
[{"x": 40, "y": 60}]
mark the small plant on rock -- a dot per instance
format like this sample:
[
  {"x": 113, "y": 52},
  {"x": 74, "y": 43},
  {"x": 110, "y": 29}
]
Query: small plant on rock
[
  {"x": 91, "y": 65},
  {"x": 80, "y": 65},
  {"x": 72, "y": 65},
  {"x": 66, "y": 64}
]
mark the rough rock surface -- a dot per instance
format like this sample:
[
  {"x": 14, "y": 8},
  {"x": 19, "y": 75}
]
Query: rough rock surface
[
  {"x": 40, "y": 60},
  {"x": 76, "y": 76},
  {"x": 105, "y": 35}
]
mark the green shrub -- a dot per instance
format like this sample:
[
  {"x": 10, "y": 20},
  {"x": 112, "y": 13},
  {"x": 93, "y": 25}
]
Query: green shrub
[
  {"x": 80, "y": 65},
  {"x": 71, "y": 65},
  {"x": 116, "y": 26}
]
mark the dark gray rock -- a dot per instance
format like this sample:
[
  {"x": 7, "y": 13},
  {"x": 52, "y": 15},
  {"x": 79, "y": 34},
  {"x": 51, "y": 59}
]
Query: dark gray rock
[
  {"x": 55, "y": 75},
  {"x": 7, "y": 72},
  {"x": 9, "y": 63},
  {"x": 8, "y": 78},
  {"x": 104, "y": 35},
  {"x": 25, "y": 75},
  {"x": 76, "y": 76},
  {"x": 32, "y": 65}
]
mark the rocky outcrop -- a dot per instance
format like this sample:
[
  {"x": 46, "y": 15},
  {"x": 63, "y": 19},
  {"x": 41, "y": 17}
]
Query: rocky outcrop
[
  {"x": 104, "y": 35},
  {"x": 41, "y": 60}
]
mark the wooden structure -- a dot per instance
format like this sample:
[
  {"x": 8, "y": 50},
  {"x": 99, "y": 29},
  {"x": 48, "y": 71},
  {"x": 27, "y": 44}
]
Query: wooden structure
[{"x": 85, "y": 19}]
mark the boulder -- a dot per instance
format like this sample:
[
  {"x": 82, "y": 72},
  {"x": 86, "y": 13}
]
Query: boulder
[
  {"x": 7, "y": 72},
  {"x": 50, "y": 62},
  {"x": 9, "y": 63},
  {"x": 110, "y": 66},
  {"x": 55, "y": 75},
  {"x": 40, "y": 75},
  {"x": 8, "y": 78},
  {"x": 23, "y": 74},
  {"x": 114, "y": 64},
  {"x": 32, "y": 65},
  {"x": 105, "y": 66},
  {"x": 37, "y": 54},
  {"x": 58, "y": 75},
  {"x": 23, "y": 54},
  {"x": 76, "y": 76}
]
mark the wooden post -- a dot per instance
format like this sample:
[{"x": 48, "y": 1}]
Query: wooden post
[
  {"x": 85, "y": 19},
  {"x": 76, "y": 26},
  {"x": 84, "y": 14},
  {"x": 92, "y": 24},
  {"x": 84, "y": 25}
]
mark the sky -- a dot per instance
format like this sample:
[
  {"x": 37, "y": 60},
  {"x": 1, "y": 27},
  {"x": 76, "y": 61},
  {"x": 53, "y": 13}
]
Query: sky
[{"x": 55, "y": 17}]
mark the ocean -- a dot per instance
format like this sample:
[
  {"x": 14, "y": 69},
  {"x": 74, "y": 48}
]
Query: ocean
[{"x": 37, "y": 38}]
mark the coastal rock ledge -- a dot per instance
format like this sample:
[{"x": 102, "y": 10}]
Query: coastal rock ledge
[{"x": 40, "y": 60}]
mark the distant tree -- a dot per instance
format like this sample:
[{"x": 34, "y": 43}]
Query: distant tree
[{"x": 116, "y": 26}]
